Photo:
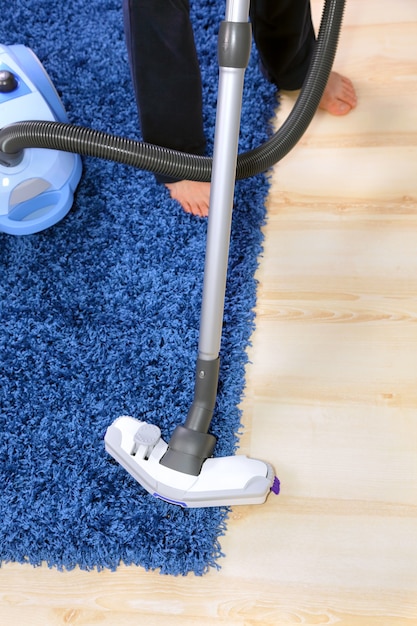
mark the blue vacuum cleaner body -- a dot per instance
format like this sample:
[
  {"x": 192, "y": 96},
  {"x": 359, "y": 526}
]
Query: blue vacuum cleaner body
[{"x": 38, "y": 191}]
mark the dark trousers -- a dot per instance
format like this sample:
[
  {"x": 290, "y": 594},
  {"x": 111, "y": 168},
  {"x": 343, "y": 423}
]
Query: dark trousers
[{"x": 165, "y": 69}]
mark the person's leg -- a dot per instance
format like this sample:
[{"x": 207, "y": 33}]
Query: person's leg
[
  {"x": 167, "y": 83},
  {"x": 285, "y": 38},
  {"x": 165, "y": 72}
]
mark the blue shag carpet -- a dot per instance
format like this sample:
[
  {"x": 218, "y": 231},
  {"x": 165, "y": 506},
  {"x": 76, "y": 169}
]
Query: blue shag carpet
[{"x": 100, "y": 315}]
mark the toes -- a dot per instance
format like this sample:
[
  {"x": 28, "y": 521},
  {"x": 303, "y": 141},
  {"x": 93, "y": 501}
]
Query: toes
[
  {"x": 190, "y": 196},
  {"x": 339, "y": 96},
  {"x": 349, "y": 93},
  {"x": 341, "y": 108}
]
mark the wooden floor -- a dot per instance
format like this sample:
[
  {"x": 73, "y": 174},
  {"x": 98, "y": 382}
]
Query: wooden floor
[{"x": 331, "y": 395}]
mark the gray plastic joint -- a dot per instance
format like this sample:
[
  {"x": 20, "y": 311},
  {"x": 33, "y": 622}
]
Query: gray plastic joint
[
  {"x": 190, "y": 445},
  {"x": 234, "y": 44},
  {"x": 205, "y": 393},
  {"x": 11, "y": 159},
  {"x": 187, "y": 451}
]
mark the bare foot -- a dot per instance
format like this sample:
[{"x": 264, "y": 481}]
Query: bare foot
[
  {"x": 192, "y": 195},
  {"x": 339, "y": 96}
]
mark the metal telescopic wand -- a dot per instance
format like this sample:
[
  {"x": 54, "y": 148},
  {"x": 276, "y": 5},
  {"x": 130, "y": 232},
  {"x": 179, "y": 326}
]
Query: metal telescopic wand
[{"x": 191, "y": 444}]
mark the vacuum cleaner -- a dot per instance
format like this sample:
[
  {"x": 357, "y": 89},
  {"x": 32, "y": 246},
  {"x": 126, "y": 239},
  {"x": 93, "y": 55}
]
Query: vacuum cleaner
[
  {"x": 37, "y": 188},
  {"x": 40, "y": 168}
]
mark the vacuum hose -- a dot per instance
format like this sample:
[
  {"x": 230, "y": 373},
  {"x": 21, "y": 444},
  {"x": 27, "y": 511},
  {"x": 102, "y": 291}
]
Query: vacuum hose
[{"x": 69, "y": 138}]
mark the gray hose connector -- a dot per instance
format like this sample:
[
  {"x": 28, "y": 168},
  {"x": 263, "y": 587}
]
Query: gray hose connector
[
  {"x": 166, "y": 162},
  {"x": 190, "y": 445}
]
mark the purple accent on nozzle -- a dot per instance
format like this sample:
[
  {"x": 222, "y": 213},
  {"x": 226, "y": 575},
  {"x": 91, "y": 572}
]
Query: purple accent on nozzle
[
  {"x": 158, "y": 495},
  {"x": 275, "y": 486}
]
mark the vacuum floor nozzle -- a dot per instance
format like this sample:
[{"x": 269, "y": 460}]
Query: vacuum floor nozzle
[{"x": 223, "y": 481}]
